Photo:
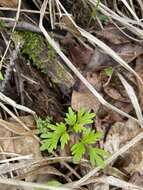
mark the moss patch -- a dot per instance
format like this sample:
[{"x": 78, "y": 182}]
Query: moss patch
[{"x": 35, "y": 48}]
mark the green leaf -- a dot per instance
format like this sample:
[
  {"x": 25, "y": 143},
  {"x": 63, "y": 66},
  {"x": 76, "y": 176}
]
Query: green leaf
[
  {"x": 78, "y": 128},
  {"x": 64, "y": 140},
  {"x": 78, "y": 151},
  {"x": 101, "y": 152},
  {"x": 51, "y": 139},
  {"x": 103, "y": 18},
  {"x": 80, "y": 113},
  {"x": 109, "y": 71},
  {"x": 42, "y": 125},
  {"x": 46, "y": 135},
  {"x": 51, "y": 126},
  {"x": 70, "y": 117},
  {"x": 90, "y": 136},
  {"x": 97, "y": 156},
  {"x": 84, "y": 117},
  {"x": 53, "y": 183},
  {"x": 94, "y": 10},
  {"x": 1, "y": 76},
  {"x": 45, "y": 145}
]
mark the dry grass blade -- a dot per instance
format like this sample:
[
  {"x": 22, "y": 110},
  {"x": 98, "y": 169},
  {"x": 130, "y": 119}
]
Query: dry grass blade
[
  {"x": 15, "y": 20},
  {"x": 74, "y": 69},
  {"x": 127, "y": 22},
  {"x": 140, "y": 2},
  {"x": 113, "y": 181},
  {"x": 14, "y": 104},
  {"x": 29, "y": 184},
  {"x": 130, "y": 9},
  {"x": 51, "y": 14},
  {"x": 25, "y": 157},
  {"x": 120, "y": 183},
  {"x": 131, "y": 93},
  {"x": 9, "y": 167}
]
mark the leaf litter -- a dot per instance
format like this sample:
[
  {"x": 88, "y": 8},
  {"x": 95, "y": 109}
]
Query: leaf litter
[{"x": 50, "y": 95}]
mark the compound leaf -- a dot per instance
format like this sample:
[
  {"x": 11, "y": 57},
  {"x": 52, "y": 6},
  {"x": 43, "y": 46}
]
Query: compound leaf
[
  {"x": 46, "y": 135},
  {"x": 70, "y": 117},
  {"x": 109, "y": 71},
  {"x": 1, "y": 76},
  {"x": 85, "y": 117},
  {"x": 51, "y": 139},
  {"x": 64, "y": 139},
  {"x": 78, "y": 151},
  {"x": 78, "y": 128},
  {"x": 90, "y": 136},
  {"x": 97, "y": 157}
]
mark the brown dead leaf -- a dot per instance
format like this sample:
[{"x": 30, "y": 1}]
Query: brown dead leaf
[
  {"x": 23, "y": 145},
  {"x": 108, "y": 117},
  {"x": 80, "y": 55},
  {"x": 127, "y": 52},
  {"x": 27, "y": 120},
  {"x": 67, "y": 24},
  {"x": 119, "y": 134},
  {"x": 113, "y": 35},
  {"x": 125, "y": 131},
  {"x": 115, "y": 94},
  {"x": 85, "y": 99},
  {"x": 94, "y": 79},
  {"x": 26, "y": 145},
  {"x": 8, "y": 3}
]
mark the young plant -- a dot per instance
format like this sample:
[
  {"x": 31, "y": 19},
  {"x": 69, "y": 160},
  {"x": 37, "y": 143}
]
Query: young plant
[{"x": 54, "y": 135}]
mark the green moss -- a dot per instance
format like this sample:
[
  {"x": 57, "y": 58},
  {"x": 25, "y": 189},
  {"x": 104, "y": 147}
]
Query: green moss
[
  {"x": 35, "y": 48},
  {"x": 43, "y": 56},
  {"x": 1, "y": 21}
]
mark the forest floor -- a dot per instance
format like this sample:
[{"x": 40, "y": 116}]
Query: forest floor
[{"x": 71, "y": 94}]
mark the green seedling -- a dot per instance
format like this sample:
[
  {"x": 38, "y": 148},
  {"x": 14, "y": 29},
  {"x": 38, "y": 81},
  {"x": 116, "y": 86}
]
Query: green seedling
[
  {"x": 109, "y": 71},
  {"x": 51, "y": 183},
  {"x": 77, "y": 124},
  {"x": 1, "y": 76}
]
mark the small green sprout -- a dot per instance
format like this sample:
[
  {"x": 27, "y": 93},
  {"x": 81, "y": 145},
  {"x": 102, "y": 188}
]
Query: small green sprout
[
  {"x": 109, "y": 71},
  {"x": 54, "y": 135},
  {"x": 1, "y": 76},
  {"x": 51, "y": 183}
]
